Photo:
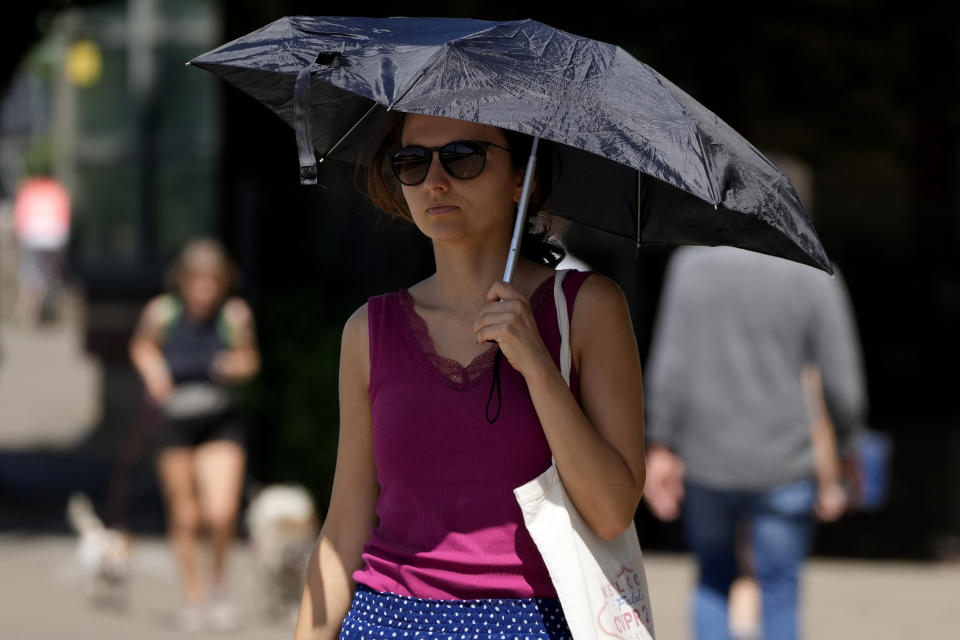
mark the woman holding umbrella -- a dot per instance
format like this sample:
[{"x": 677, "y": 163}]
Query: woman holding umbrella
[
  {"x": 421, "y": 477},
  {"x": 424, "y": 536}
]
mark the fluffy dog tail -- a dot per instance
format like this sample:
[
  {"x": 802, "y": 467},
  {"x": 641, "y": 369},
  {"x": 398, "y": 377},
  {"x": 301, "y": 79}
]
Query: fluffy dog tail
[{"x": 80, "y": 514}]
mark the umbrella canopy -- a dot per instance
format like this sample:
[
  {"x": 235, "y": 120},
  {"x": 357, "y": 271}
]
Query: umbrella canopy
[{"x": 635, "y": 155}]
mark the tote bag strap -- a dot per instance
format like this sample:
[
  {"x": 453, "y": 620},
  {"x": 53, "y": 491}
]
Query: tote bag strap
[{"x": 563, "y": 323}]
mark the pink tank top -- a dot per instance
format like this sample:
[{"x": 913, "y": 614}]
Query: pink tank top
[{"x": 449, "y": 526}]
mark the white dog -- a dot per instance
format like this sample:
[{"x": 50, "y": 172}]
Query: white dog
[
  {"x": 283, "y": 526},
  {"x": 104, "y": 554}
]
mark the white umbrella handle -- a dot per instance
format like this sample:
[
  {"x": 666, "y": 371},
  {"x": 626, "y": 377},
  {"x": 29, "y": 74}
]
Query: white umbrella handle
[{"x": 521, "y": 213}]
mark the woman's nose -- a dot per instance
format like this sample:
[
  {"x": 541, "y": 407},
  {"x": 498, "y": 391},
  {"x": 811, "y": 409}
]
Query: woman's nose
[{"x": 436, "y": 175}]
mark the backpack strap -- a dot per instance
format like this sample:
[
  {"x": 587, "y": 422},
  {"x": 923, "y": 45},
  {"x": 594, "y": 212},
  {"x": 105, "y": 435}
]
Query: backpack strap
[{"x": 173, "y": 303}]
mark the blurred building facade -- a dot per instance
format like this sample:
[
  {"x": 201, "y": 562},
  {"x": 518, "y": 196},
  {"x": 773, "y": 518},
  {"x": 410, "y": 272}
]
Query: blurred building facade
[
  {"x": 103, "y": 102},
  {"x": 135, "y": 139}
]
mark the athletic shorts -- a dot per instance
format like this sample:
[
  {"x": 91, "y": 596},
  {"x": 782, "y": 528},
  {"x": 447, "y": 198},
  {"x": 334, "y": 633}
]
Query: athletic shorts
[{"x": 192, "y": 432}]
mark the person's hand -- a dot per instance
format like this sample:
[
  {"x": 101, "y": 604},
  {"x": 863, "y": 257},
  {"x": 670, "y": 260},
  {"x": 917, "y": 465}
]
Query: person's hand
[
  {"x": 159, "y": 386},
  {"x": 229, "y": 367},
  {"x": 831, "y": 502},
  {"x": 664, "y": 487},
  {"x": 507, "y": 319},
  {"x": 852, "y": 478}
]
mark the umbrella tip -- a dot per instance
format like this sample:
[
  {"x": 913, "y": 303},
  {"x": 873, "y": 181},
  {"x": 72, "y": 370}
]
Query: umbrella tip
[{"x": 187, "y": 63}]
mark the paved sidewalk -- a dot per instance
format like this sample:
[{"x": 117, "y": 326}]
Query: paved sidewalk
[
  {"x": 843, "y": 599},
  {"x": 41, "y": 597},
  {"x": 50, "y": 390}
]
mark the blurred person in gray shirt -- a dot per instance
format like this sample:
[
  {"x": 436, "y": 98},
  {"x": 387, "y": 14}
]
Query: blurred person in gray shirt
[{"x": 729, "y": 424}]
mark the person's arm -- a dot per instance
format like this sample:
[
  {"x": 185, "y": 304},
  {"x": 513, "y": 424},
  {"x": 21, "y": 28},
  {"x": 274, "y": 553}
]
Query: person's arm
[
  {"x": 352, "y": 515},
  {"x": 598, "y": 448},
  {"x": 145, "y": 351},
  {"x": 665, "y": 381},
  {"x": 831, "y": 496},
  {"x": 836, "y": 351},
  {"x": 242, "y": 360}
]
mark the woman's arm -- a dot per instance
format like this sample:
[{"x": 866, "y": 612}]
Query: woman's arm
[
  {"x": 598, "y": 449},
  {"x": 242, "y": 360},
  {"x": 352, "y": 515},
  {"x": 145, "y": 352}
]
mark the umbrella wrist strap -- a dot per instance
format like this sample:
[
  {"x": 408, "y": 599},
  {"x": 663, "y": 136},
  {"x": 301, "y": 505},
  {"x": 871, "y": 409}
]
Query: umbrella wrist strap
[
  {"x": 495, "y": 386},
  {"x": 301, "y": 113}
]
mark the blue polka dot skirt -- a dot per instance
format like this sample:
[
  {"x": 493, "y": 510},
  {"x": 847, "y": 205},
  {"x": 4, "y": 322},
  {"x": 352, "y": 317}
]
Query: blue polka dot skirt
[{"x": 375, "y": 615}]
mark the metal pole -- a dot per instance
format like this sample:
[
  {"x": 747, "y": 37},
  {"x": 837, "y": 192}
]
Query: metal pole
[
  {"x": 521, "y": 213},
  {"x": 142, "y": 17}
]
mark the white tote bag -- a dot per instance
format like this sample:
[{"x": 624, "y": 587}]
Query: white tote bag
[{"x": 601, "y": 583}]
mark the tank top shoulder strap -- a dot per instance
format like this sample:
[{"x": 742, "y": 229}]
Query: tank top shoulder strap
[{"x": 382, "y": 326}]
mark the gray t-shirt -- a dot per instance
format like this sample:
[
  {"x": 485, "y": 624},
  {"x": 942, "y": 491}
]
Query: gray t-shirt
[{"x": 724, "y": 391}]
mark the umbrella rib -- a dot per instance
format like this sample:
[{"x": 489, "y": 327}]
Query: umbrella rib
[
  {"x": 423, "y": 72},
  {"x": 703, "y": 159},
  {"x": 696, "y": 130},
  {"x": 429, "y": 63},
  {"x": 640, "y": 194},
  {"x": 349, "y": 131}
]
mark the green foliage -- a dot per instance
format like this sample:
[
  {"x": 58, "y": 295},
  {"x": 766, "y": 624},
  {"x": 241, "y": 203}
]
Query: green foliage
[
  {"x": 38, "y": 158},
  {"x": 295, "y": 397}
]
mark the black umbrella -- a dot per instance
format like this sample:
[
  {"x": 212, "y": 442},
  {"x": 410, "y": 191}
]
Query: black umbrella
[{"x": 636, "y": 156}]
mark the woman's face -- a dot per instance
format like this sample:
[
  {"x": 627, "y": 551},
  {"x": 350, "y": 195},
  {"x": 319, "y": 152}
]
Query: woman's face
[
  {"x": 454, "y": 210},
  {"x": 202, "y": 290}
]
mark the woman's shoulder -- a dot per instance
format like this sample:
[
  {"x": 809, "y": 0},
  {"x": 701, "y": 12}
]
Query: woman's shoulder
[
  {"x": 382, "y": 303},
  {"x": 354, "y": 344},
  {"x": 237, "y": 311},
  {"x": 158, "y": 314},
  {"x": 597, "y": 297},
  {"x": 161, "y": 309},
  {"x": 358, "y": 320},
  {"x": 596, "y": 286}
]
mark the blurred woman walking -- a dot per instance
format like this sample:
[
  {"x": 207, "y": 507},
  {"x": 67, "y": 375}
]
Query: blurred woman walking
[{"x": 190, "y": 346}]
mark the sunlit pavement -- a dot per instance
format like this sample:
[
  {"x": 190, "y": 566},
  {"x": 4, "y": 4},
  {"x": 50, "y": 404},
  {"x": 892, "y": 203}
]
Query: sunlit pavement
[
  {"x": 50, "y": 391},
  {"x": 42, "y": 596},
  {"x": 843, "y": 599}
]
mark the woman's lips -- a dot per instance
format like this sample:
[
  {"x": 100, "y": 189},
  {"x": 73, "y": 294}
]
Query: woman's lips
[{"x": 440, "y": 209}]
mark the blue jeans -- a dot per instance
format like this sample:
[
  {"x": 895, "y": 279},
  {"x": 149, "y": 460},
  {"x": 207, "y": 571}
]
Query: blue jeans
[{"x": 780, "y": 522}]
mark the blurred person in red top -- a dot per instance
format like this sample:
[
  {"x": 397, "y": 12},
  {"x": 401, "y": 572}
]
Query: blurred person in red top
[{"x": 41, "y": 214}]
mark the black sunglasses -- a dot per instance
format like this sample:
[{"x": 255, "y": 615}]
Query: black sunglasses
[{"x": 461, "y": 159}]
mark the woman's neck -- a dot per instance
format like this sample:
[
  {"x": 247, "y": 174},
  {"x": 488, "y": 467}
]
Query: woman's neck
[
  {"x": 199, "y": 314},
  {"x": 465, "y": 273}
]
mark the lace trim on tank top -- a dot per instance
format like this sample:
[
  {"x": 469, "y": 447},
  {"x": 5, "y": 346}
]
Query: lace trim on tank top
[{"x": 447, "y": 369}]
